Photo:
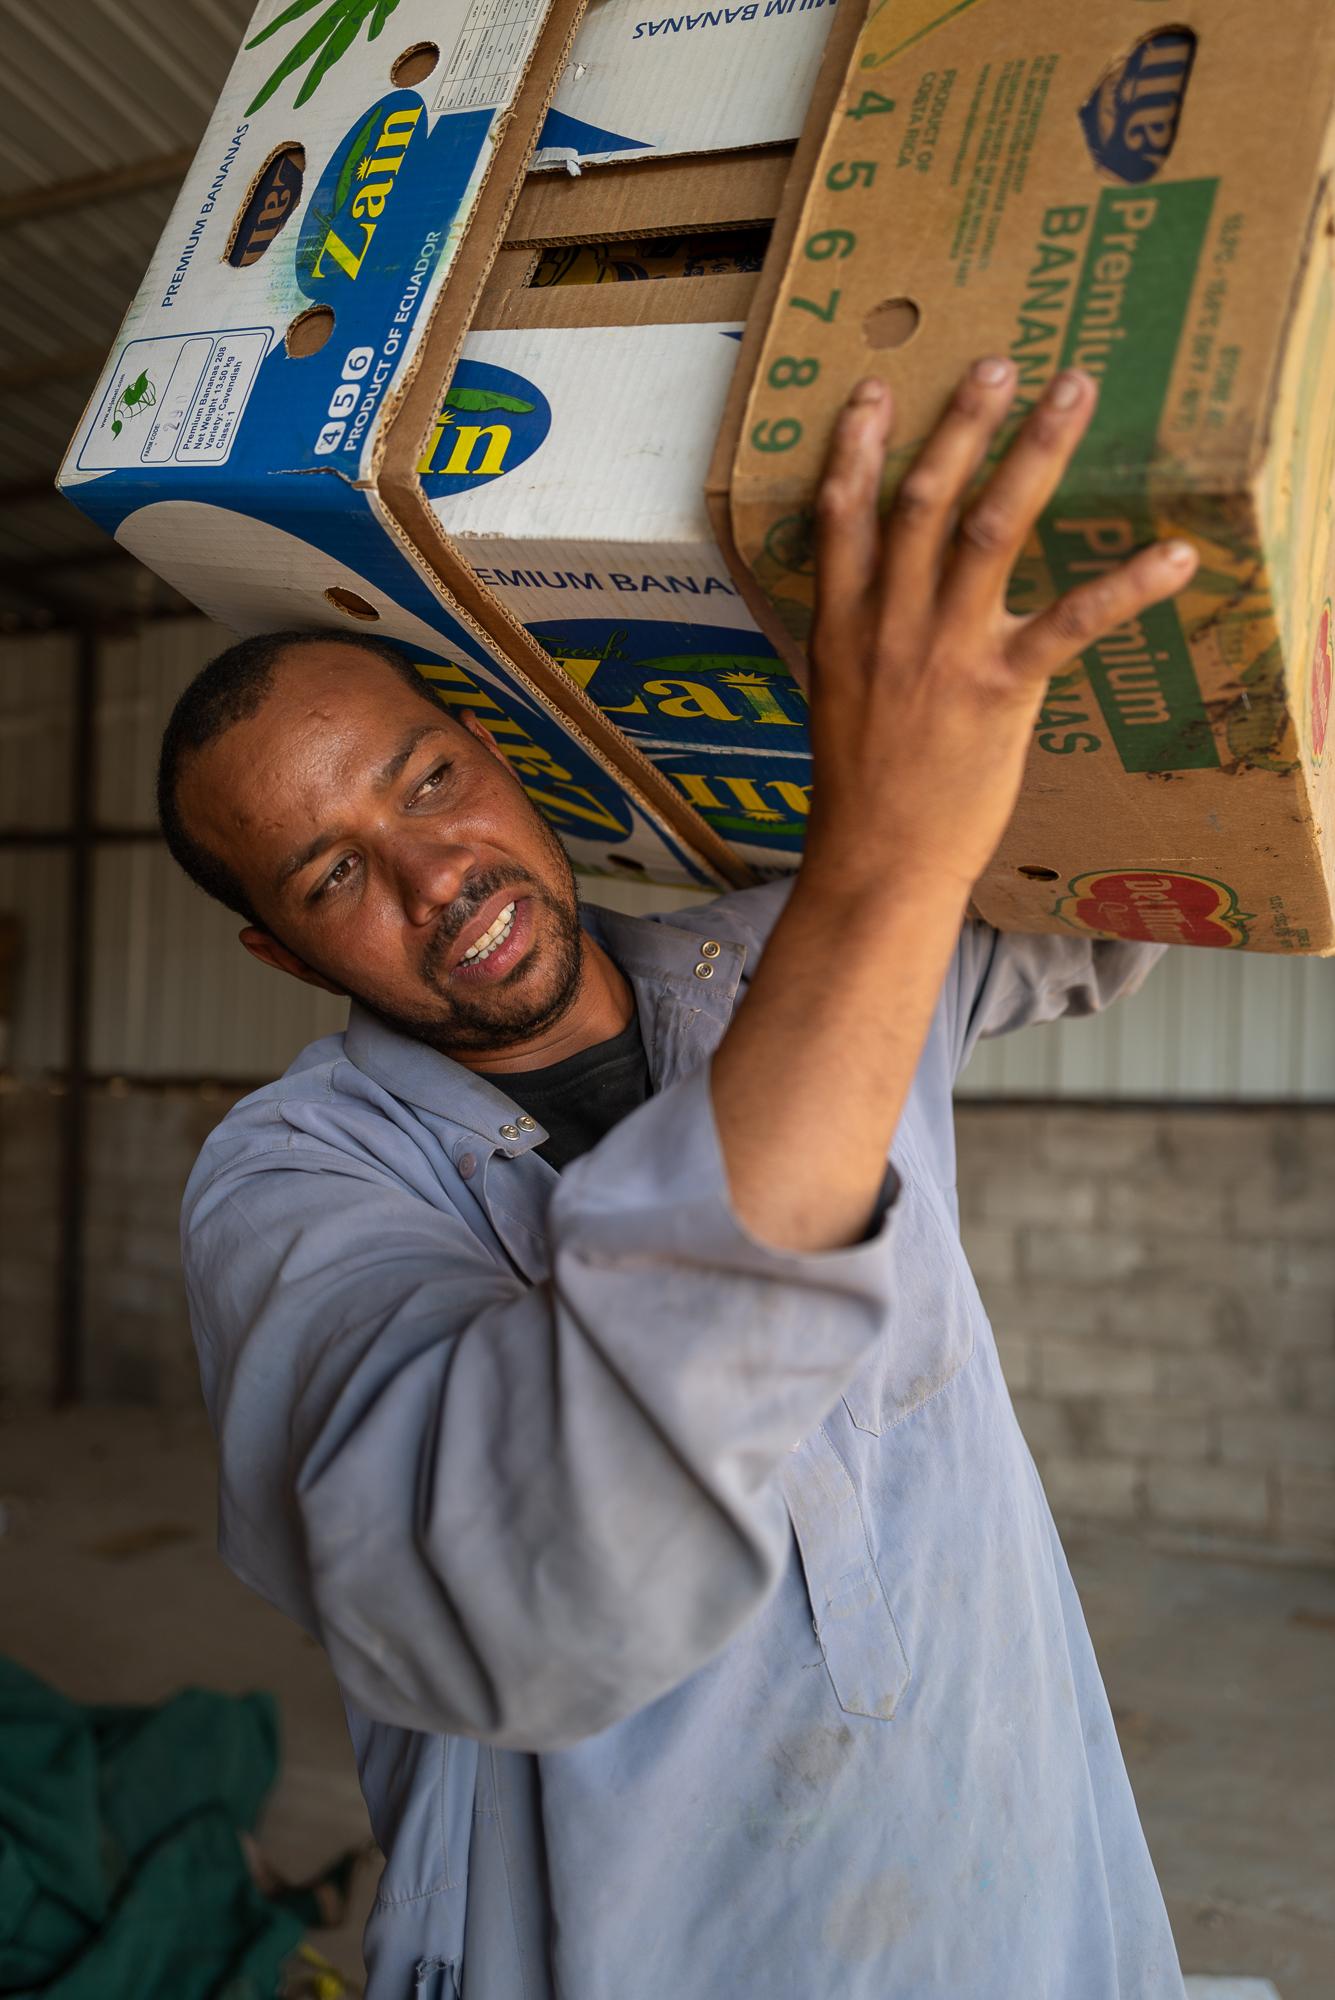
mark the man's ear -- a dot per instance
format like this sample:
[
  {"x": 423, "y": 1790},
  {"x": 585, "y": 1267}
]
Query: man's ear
[
  {"x": 267, "y": 949},
  {"x": 484, "y": 736}
]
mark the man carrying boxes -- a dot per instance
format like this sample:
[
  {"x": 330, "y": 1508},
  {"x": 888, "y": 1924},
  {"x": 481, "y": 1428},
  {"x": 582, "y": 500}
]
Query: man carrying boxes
[
  {"x": 630, "y": 1434},
  {"x": 596, "y": 1368}
]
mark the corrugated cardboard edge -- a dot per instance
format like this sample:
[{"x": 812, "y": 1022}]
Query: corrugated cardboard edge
[
  {"x": 1318, "y": 784},
  {"x": 647, "y": 198},
  {"x": 848, "y": 23},
  {"x": 403, "y": 505}
]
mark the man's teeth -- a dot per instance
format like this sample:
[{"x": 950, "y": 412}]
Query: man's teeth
[{"x": 490, "y": 938}]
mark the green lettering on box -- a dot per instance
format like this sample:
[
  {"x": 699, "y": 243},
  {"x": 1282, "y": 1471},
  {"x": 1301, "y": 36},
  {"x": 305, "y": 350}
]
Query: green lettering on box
[{"x": 1125, "y": 327}]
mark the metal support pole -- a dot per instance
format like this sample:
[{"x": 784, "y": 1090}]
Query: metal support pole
[{"x": 69, "y": 1370}]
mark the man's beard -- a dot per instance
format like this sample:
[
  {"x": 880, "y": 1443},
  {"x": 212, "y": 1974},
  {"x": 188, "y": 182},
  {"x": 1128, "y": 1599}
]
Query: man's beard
[{"x": 495, "y": 1018}]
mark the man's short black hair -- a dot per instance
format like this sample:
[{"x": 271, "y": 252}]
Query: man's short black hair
[{"x": 229, "y": 690}]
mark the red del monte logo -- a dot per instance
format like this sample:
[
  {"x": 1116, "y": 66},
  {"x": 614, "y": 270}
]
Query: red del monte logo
[{"x": 1154, "y": 906}]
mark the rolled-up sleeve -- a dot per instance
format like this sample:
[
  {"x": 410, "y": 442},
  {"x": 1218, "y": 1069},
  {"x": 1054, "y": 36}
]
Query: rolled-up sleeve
[
  {"x": 514, "y": 1511},
  {"x": 1000, "y": 982}
]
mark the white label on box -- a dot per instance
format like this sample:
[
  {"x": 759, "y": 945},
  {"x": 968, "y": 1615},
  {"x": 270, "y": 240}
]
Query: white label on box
[
  {"x": 175, "y": 398},
  {"x": 173, "y": 407},
  {"x": 491, "y": 50},
  {"x": 213, "y": 418}
]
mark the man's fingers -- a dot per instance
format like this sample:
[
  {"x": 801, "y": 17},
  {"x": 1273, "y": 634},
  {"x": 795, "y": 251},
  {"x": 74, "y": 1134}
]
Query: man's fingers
[
  {"x": 923, "y": 512},
  {"x": 1052, "y": 638},
  {"x": 847, "y": 534},
  {"x": 993, "y": 532}
]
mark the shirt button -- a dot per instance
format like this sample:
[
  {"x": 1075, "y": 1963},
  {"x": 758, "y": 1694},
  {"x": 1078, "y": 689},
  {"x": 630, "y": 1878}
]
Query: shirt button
[
  {"x": 709, "y": 949},
  {"x": 468, "y": 1165},
  {"x": 527, "y": 1124},
  {"x": 509, "y": 1131},
  {"x": 703, "y": 971}
]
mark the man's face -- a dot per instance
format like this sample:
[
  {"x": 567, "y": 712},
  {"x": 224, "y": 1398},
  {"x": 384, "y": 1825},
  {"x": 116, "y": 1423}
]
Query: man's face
[{"x": 389, "y": 849}]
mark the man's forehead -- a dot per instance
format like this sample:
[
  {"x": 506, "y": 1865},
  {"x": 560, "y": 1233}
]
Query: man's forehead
[
  {"x": 350, "y": 675},
  {"x": 335, "y": 696},
  {"x": 323, "y": 720}
]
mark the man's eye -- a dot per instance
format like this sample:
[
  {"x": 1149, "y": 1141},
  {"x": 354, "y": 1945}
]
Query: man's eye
[
  {"x": 431, "y": 783},
  {"x": 336, "y": 877}
]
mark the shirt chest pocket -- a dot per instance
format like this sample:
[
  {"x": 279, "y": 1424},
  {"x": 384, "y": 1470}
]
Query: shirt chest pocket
[
  {"x": 932, "y": 1320},
  {"x": 928, "y": 1338}
]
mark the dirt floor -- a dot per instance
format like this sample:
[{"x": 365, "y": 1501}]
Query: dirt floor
[{"x": 1221, "y": 1675}]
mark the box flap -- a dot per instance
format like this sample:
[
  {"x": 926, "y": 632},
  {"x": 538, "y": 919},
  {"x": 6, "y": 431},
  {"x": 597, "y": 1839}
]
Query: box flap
[{"x": 646, "y": 81}]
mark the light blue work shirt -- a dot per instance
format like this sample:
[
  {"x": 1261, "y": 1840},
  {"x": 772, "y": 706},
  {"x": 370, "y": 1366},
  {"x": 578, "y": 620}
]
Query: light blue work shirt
[{"x": 702, "y": 1626}]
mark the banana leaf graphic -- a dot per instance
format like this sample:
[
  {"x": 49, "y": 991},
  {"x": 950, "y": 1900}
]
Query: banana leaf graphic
[
  {"x": 479, "y": 401},
  {"x": 357, "y": 152},
  {"x": 326, "y": 40}
]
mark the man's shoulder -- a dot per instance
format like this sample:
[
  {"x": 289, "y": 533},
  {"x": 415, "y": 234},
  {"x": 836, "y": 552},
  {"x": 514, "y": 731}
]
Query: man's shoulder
[
  {"x": 744, "y": 916},
  {"x": 275, "y": 1115}
]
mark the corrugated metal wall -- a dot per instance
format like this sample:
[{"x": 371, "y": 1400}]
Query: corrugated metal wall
[{"x": 175, "y": 995}]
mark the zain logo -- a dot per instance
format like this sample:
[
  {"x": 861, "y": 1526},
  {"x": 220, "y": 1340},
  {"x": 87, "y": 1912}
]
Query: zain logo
[
  {"x": 490, "y": 420},
  {"x": 355, "y": 191}
]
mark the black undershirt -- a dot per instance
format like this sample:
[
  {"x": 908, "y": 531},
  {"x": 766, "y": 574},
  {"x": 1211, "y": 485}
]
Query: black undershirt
[{"x": 582, "y": 1098}]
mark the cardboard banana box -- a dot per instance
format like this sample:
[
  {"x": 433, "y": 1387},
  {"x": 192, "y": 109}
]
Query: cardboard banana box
[
  {"x": 257, "y": 425},
  {"x": 1145, "y": 194}
]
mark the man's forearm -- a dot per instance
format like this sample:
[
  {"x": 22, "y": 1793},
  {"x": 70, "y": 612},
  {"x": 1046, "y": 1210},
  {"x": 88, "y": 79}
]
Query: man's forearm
[
  {"x": 810, "y": 1080},
  {"x": 924, "y": 694}
]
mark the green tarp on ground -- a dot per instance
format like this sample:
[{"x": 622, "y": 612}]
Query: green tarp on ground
[{"x": 122, "y": 1875}]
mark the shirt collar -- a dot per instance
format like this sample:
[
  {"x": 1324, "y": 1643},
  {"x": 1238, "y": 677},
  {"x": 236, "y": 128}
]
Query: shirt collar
[{"x": 659, "y": 956}]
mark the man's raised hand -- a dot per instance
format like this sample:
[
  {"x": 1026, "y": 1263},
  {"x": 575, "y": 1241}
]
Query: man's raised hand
[{"x": 924, "y": 688}]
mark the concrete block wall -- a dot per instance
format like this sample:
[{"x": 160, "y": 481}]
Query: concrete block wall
[{"x": 1162, "y": 1284}]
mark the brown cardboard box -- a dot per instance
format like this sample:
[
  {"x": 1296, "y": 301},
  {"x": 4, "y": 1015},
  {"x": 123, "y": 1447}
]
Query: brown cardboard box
[{"x": 1145, "y": 193}]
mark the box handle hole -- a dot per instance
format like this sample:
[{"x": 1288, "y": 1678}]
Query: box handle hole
[
  {"x": 270, "y": 199},
  {"x": 1131, "y": 116},
  {"x": 1039, "y": 874},
  {"x": 891, "y": 324},
  {"x": 414, "y": 64},
  {"x": 352, "y": 602},
  {"x": 309, "y": 331}
]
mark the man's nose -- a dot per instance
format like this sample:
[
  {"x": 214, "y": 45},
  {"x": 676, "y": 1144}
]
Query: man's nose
[{"x": 430, "y": 874}]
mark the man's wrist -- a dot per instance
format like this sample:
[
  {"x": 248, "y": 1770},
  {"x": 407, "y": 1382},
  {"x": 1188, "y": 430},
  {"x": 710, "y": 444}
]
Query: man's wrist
[{"x": 862, "y": 892}]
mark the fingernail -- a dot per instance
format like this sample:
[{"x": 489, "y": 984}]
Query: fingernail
[
  {"x": 1179, "y": 552},
  {"x": 868, "y": 391},
  {"x": 1065, "y": 392},
  {"x": 992, "y": 371}
]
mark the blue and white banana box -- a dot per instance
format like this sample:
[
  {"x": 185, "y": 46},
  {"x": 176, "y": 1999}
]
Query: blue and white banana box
[{"x": 234, "y": 438}]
